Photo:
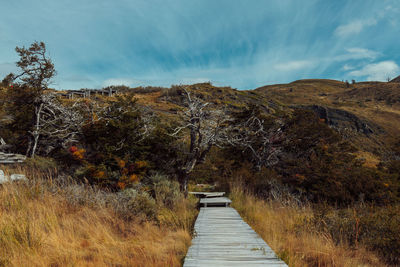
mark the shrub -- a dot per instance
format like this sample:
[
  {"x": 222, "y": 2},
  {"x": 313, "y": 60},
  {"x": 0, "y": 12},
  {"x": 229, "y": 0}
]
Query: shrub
[
  {"x": 167, "y": 193},
  {"x": 136, "y": 205},
  {"x": 41, "y": 164},
  {"x": 377, "y": 228}
]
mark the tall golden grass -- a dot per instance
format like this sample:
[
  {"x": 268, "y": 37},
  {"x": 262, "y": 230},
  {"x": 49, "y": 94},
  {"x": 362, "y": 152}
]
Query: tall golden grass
[
  {"x": 278, "y": 224},
  {"x": 39, "y": 226}
]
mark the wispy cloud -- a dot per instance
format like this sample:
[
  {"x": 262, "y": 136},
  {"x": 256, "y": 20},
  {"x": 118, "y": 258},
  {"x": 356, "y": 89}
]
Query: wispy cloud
[
  {"x": 293, "y": 65},
  {"x": 355, "y": 53},
  {"x": 122, "y": 81},
  {"x": 354, "y": 27},
  {"x": 360, "y": 53},
  {"x": 380, "y": 71},
  {"x": 97, "y": 43},
  {"x": 347, "y": 67}
]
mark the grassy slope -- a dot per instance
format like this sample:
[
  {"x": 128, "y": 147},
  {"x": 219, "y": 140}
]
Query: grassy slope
[
  {"x": 40, "y": 225},
  {"x": 378, "y": 102},
  {"x": 375, "y": 101},
  {"x": 281, "y": 226}
]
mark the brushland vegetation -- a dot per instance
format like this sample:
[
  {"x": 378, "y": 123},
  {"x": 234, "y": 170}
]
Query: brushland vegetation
[
  {"x": 58, "y": 222},
  {"x": 307, "y": 234},
  {"x": 319, "y": 174},
  {"x": 349, "y": 209}
]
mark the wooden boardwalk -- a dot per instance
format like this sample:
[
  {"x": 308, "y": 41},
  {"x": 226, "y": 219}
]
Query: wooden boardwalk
[
  {"x": 222, "y": 238},
  {"x": 215, "y": 201},
  {"x": 207, "y": 194}
]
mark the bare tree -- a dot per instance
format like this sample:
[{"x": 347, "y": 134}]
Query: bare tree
[
  {"x": 261, "y": 137},
  {"x": 207, "y": 127},
  {"x": 59, "y": 123}
]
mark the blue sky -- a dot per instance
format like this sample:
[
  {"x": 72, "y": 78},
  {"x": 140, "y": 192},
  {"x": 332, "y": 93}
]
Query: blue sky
[{"x": 241, "y": 43}]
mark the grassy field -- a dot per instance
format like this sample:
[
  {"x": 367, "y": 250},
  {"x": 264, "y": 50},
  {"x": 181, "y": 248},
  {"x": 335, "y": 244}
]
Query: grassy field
[
  {"x": 43, "y": 223},
  {"x": 283, "y": 225}
]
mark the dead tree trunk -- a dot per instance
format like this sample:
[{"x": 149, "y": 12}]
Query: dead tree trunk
[
  {"x": 36, "y": 130},
  {"x": 207, "y": 127}
]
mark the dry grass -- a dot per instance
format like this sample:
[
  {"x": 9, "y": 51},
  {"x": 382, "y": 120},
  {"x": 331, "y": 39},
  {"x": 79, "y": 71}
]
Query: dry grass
[
  {"x": 41, "y": 226},
  {"x": 278, "y": 225}
]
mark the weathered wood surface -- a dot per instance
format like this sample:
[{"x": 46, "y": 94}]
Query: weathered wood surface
[
  {"x": 11, "y": 158},
  {"x": 207, "y": 194},
  {"x": 222, "y": 238},
  {"x": 215, "y": 201}
]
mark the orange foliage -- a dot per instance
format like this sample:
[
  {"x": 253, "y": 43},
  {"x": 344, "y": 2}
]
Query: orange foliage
[
  {"x": 99, "y": 174},
  {"x": 121, "y": 163},
  {"x": 134, "y": 178},
  {"x": 77, "y": 154},
  {"x": 300, "y": 176},
  {"x": 73, "y": 149},
  {"x": 121, "y": 185},
  {"x": 140, "y": 164}
]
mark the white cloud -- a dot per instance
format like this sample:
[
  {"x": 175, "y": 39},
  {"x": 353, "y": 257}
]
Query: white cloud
[
  {"x": 378, "y": 71},
  {"x": 360, "y": 53},
  {"x": 356, "y": 53},
  {"x": 293, "y": 65},
  {"x": 354, "y": 27},
  {"x": 121, "y": 81},
  {"x": 347, "y": 67}
]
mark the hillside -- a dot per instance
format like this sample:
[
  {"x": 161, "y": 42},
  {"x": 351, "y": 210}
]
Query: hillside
[
  {"x": 366, "y": 113},
  {"x": 304, "y": 143},
  {"x": 370, "y": 109}
]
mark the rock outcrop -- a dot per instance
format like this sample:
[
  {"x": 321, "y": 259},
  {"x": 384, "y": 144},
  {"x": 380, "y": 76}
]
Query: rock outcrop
[
  {"x": 345, "y": 121},
  {"x": 12, "y": 178}
]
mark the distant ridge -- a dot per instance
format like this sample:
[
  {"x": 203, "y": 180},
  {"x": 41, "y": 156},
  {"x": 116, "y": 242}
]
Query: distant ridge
[{"x": 396, "y": 80}]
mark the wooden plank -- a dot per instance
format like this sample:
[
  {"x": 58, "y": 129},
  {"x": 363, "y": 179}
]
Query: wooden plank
[
  {"x": 215, "y": 201},
  {"x": 222, "y": 238},
  {"x": 11, "y": 158},
  {"x": 207, "y": 194}
]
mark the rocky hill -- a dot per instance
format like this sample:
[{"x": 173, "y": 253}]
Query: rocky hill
[{"x": 366, "y": 113}]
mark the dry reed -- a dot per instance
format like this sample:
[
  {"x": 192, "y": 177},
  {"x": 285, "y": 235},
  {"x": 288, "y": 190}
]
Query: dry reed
[
  {"x": 280, "y": 224},
  {"x": 42, "y": 225}
]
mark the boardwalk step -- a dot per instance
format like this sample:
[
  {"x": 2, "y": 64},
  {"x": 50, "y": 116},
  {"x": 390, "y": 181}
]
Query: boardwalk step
[{"x": 222, "y": 238}]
